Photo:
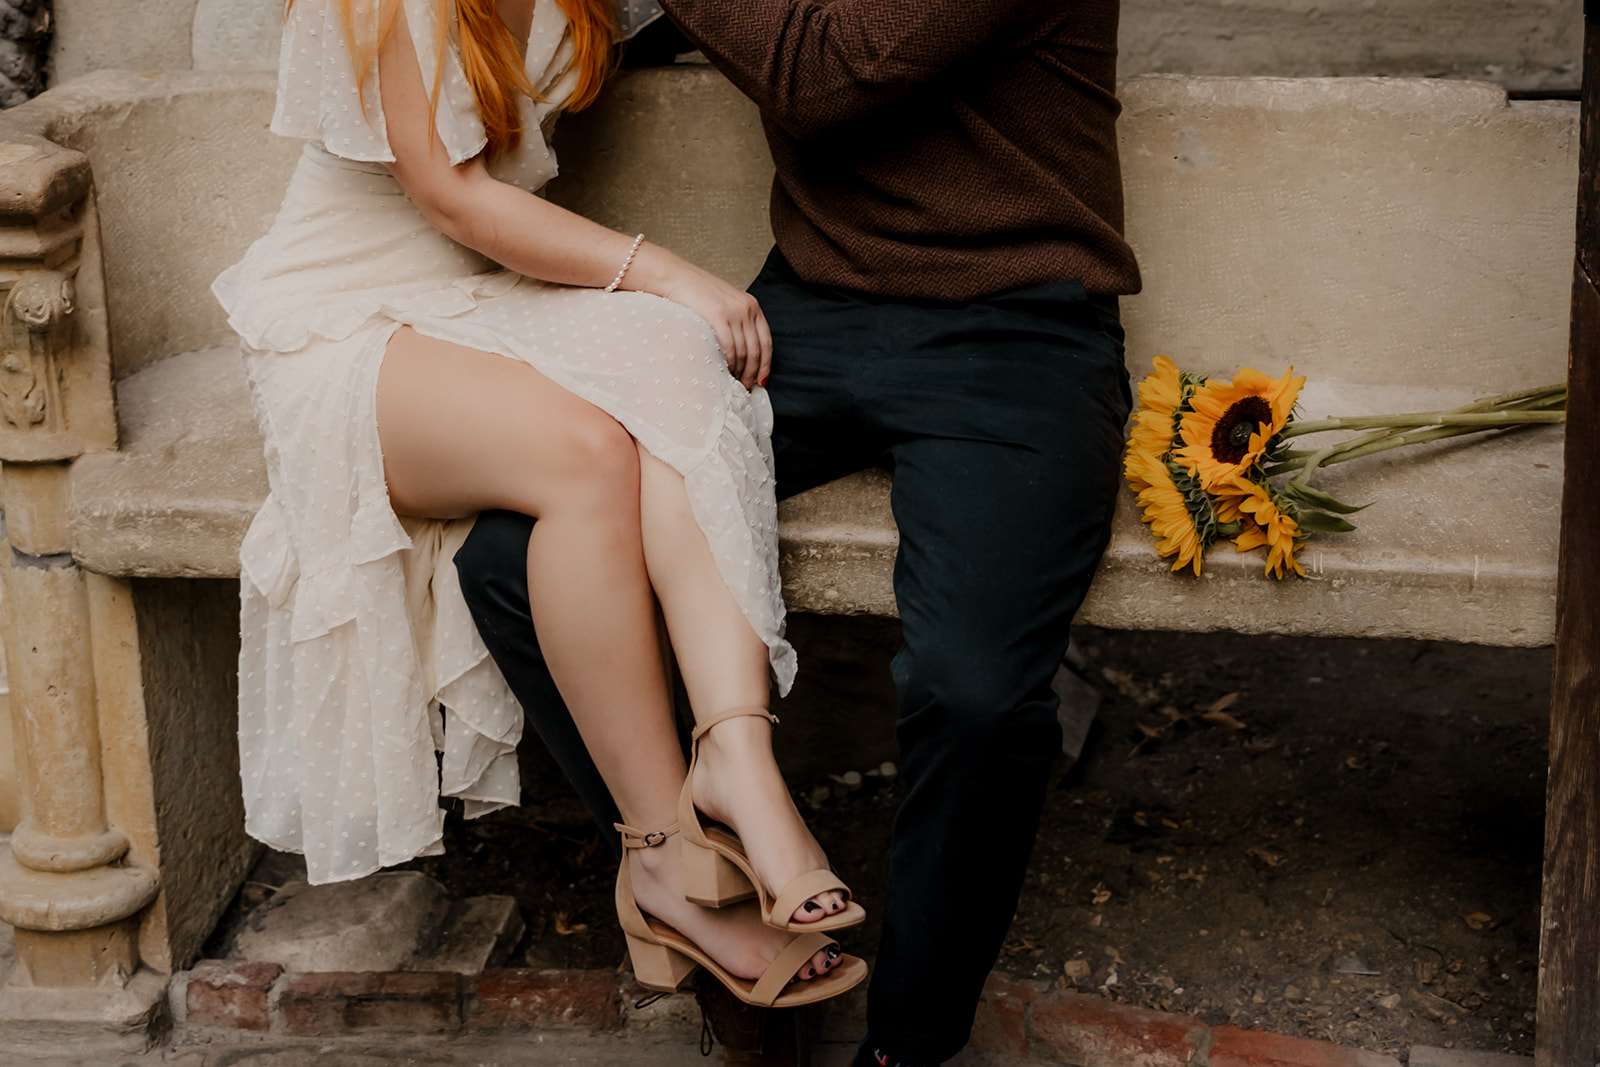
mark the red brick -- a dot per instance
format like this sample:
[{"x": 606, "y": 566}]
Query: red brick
[
  {"x": 547, "y": 1000},
  {"x": 1233, "y": 1047},
  {"x": 1002, "y": 1021},
  {"x": 230, "y": 993},
  {"x": 1091, "y": 1032},
  {"x": 337, "y": 1002}
]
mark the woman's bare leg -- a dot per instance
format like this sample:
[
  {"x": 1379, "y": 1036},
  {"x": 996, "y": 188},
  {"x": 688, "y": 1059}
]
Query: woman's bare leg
[
  {"x": 462, "y": 431},
  {"x": 724, "y": 665}
]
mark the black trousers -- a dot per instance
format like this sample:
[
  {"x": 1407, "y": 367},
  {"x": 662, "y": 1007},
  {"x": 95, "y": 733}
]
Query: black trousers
[{"x": 1001, "y": 421}]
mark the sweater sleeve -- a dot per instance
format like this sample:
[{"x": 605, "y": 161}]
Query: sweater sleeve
[{"x": 811, "y": 65}]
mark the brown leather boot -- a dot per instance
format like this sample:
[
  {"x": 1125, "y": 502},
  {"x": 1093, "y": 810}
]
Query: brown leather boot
[{"x": 750, "y": 1037}]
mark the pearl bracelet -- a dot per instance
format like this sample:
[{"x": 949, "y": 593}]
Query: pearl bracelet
[{"x": 637, "y": 241}]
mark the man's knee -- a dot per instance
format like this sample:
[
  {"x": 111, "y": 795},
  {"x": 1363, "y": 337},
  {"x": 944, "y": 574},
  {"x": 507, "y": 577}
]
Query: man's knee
[
  {"x": 974, "y": 703},
  {"x": 492, "y": 564}
]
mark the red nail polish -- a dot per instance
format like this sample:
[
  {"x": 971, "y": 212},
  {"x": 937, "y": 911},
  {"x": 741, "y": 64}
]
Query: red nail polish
[{"x": 762, "y": 383}]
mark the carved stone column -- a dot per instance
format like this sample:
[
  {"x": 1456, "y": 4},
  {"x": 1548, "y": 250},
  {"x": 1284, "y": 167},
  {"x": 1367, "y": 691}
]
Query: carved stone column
[{"x": 65, "y": 883}]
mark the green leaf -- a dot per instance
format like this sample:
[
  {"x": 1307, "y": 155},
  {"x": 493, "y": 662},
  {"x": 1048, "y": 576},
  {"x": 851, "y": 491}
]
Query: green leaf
[
  {"x": 1317, "y": 498},
  {"x": 1322, "y": 522}
]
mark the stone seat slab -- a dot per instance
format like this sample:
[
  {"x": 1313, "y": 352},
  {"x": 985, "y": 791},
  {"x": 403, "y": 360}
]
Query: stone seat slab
[
  {"x": 1459, "y": 543},
  {"x": 176, "y": 499}
]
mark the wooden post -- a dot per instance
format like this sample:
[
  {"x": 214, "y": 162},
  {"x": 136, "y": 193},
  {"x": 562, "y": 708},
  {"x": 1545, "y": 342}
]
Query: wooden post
[{"x": 1569, "y": 942}]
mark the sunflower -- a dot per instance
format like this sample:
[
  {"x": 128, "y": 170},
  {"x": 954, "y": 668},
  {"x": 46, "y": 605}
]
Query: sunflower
[
  {"x": 1183, "y": 519},
  {"x": 1232, "y": 424},
  {"x": 1163, "y": 399},
  {"x": 1269, "y": 520}
]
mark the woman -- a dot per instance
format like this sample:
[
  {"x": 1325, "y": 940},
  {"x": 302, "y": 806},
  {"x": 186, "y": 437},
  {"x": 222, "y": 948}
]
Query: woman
[{"x": 599, "y": 383}]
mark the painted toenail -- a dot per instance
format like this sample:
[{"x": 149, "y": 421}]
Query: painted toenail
[
  {"x": 811, "y": 905},
  {"x": 812, "y": 973},
  {"x": 833, "y": 952}
]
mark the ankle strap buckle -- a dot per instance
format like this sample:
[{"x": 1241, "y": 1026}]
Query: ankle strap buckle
[{"x": 632, "y": 838}]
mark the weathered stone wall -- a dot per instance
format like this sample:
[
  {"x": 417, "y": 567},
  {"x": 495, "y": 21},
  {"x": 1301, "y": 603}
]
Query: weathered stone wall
[
  {"x": 192, "y": 136},
  {"x": 128, "y": 34},
  {"x": 1523, "y": 44}
]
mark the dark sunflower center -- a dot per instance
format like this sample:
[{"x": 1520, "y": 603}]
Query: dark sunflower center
[{"x": 1230, "y": 440}]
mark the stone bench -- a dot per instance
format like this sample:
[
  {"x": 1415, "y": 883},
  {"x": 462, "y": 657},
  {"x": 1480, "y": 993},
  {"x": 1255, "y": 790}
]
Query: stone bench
[
  {"x": 1406, "y": 244},
  {"x": 1403, "y": 243}
]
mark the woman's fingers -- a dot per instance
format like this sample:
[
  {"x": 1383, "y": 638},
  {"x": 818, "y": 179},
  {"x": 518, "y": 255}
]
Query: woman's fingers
[
  {"x": 727, "y": 340},
  {"x": 764, "y": 342},
  {"x": 735, "y": 350},
  {"x": 752, "y": 354}
]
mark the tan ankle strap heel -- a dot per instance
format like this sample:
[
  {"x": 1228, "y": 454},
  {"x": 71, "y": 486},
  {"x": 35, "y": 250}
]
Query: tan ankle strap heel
[
  {"x": 717, "y": 872},
  {"x": 664, "y": 959}
]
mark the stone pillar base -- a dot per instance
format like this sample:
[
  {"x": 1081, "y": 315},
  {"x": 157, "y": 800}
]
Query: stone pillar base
[{"x": 43, "y": 1023}]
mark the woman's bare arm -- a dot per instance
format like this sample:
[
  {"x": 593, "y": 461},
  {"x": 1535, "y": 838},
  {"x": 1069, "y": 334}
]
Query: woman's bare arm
[{"x": 534, "y": 237}]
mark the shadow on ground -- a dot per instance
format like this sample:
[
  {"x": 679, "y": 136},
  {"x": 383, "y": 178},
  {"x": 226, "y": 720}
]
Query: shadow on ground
[{"x": 1336, "y": 839}]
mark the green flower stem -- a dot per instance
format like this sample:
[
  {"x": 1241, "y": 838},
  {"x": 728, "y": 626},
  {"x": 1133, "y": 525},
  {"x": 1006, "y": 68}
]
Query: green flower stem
[
  {"x": 1543, "y": 397},
  {"x": 1529, "y": 407},
  {"x": 1489, "y": 419},
  {"x": 1374, "y": 444}
]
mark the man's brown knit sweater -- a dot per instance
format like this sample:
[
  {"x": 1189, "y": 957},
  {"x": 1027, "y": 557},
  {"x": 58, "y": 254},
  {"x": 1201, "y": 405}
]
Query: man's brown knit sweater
[{"x": 933, "y": 149}]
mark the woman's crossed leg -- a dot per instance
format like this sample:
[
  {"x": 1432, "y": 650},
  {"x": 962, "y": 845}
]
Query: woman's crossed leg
[{"x": 464, "y": 430}]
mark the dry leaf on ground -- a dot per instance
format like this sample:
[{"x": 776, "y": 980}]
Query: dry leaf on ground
[{"x": 1223, "y": 703}]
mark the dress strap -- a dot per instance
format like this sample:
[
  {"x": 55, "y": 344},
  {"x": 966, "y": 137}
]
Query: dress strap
[
  {"x": 632, "y": 838},
  {"x": 732, "y": 713}
]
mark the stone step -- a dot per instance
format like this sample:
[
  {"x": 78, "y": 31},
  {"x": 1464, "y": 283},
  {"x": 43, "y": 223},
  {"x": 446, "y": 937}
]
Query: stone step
[
  {"x": 390, "y": 921},
  {"x": 477, "y": 933}
]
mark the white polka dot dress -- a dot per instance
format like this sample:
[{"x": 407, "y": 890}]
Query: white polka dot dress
[{"x": 365, "y": 692}]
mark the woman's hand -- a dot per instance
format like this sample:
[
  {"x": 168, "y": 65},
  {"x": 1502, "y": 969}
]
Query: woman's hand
[{"x": 733, "y": 314}]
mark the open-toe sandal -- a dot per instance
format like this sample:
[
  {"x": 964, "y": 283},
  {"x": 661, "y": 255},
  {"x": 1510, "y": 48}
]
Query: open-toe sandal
[
  {"x": 717, "y": 872},
  {"x": 664, "y": 959}
]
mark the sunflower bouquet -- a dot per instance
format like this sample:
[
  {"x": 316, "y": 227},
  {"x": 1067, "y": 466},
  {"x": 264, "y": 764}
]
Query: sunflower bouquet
[{"x": 1210, "y": 459}]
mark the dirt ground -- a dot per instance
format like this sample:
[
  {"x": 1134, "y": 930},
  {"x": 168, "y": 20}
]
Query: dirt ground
[{"x": 1338, "y": 839}]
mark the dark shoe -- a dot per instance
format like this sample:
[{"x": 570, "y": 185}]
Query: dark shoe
[
  {"x": 750, "y": 1036},
  {"x": 869, "y": 1056}
]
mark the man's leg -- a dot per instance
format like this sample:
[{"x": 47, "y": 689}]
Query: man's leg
[{"x": 1004, "y": 481}]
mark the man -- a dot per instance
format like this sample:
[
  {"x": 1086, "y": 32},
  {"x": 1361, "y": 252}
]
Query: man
[{"x": 947, "y": 214}]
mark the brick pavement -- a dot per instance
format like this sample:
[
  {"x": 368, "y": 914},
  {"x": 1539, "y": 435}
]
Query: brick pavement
[{"x": 1018, "y": 1022}]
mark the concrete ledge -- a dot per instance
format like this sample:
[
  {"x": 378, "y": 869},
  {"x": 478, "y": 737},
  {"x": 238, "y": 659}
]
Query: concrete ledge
[
  {"x": 1459, "y": 545},
  {"x": 1405, "y": 243},
  {"x": 176, "y": 501}
]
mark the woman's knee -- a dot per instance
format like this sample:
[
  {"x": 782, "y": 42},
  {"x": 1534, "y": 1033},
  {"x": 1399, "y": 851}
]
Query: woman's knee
[{"x": 600, "y": 461}]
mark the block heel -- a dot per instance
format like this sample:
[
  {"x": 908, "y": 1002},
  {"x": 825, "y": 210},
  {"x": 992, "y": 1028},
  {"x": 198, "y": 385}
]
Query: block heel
[
  {"x": 711, "y": 879},
  {"x": 663, "y": 959},
  {"x": 658, "y": 967}
]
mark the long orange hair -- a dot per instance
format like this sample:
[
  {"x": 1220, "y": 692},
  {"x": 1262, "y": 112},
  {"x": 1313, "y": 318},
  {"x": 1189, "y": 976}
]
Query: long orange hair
[{"x": 492, "y": 57}]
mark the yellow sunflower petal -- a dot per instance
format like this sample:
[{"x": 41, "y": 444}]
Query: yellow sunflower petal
[
  {"x": 1267, "y": 526},
  {"x": 1168, "y": 516},
  {"x": 1153, "y": 430},
  {"x": 1162, "y": 389},
  {"x": 1231, "y": 423}
]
